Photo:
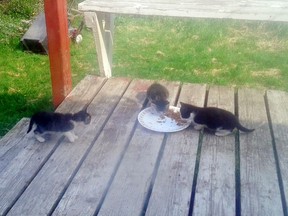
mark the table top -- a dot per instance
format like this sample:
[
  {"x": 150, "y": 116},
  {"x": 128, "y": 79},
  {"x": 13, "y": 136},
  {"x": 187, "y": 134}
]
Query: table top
[{"x": 246, "y": 9}]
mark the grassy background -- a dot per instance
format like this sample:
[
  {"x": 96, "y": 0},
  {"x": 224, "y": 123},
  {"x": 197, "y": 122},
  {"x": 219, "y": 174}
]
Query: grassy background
[{"x": 221, "y": 52}]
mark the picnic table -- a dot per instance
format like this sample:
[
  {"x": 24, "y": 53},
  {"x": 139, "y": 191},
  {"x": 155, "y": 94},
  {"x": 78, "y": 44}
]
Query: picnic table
[{"x": 100, "y": 14}]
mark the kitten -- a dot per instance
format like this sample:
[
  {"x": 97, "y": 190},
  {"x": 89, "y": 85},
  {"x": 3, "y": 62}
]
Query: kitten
[
  {"x": 47, "y": 122},
  {"x": 220, "y": 121},
  {"x": 158, "y": 95}
]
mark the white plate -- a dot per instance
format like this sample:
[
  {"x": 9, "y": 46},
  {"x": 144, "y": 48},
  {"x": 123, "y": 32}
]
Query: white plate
[{"x": 155, "y": 121}]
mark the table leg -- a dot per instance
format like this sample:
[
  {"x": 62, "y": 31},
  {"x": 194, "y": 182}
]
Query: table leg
[{"x": 102, "y": 25}]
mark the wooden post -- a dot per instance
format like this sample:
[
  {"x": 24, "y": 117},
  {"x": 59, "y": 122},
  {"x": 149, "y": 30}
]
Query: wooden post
[{"x": 59, "y": 50}]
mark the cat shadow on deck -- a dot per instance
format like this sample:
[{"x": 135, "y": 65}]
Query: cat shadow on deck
[{"x": 48, "y": 123}]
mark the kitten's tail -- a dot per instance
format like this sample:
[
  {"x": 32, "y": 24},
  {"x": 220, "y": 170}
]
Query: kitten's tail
[
  {"x": 242, "y": 128},
  {"x": 30, "y": 124}
]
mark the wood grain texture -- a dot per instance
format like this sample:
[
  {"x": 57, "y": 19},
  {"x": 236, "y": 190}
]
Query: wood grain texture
[
  {"x": 248, "y": 10},
  {"x": 277, "y": 101},
  {"x": 47, "y": 186},
  {"x": 215, "y": 190},
  {"x": 134, "y": 175},
  {"x": 91, "y": 182},
  {"x": 172, "y": 189},
  {"x": 19, "y": 165},
  {"x": 259, "y": 183},
  {"x": 82, "y": 94},
  {"x": 14, "y": 136}
]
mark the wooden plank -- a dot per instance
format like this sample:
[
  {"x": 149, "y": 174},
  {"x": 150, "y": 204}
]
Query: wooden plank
[
  {"x": 82, "y": 94},
  {"x": 91, "y": 182},
  {"x": 22, "y": 161},
  {"x": 278, "y": 108},
  {"x": 47, "y": 186},
  {"x": 59, "y": 49},
  {"x": 126, "y": 195},
  {"x": 215, "y": 190},
  {"x": 19, "y": 164},
  {"x": 248, "y": 10},
  {"x": 14, "y": 136},
  {"x": 259, "y": 183},
  {"x": 172, "y": 189}
]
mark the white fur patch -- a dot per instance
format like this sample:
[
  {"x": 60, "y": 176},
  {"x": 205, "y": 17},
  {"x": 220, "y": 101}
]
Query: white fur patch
[{"x": 71, "y": 136}]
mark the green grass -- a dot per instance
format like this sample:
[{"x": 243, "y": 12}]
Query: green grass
[{"x": 220, "y": 52}]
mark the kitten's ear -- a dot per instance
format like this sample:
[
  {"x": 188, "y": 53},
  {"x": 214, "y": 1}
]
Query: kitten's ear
[{"x": 181, "y": 103}]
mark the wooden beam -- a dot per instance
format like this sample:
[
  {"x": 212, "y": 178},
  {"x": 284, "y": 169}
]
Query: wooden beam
[{"x": 58, "y": 46}]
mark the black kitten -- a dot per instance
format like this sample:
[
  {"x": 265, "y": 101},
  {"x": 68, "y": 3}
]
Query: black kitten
[
  {"x": 158, "y": 97},
  {"x": 222, "y": 122},
  {"x": 57, "y": 122}
]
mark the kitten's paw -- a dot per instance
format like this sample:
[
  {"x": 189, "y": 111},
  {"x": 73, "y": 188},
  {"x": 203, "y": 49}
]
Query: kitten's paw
[
  {"x": 198, "y": 127},
  {"x": 71, "y": 136},
  {"x": 39, "y": 138},
  {"x": 222, "y": 133},
  {"x": 72, "y": 140}
]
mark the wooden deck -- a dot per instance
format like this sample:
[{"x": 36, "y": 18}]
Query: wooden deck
[{"x": 117, "y": 167}]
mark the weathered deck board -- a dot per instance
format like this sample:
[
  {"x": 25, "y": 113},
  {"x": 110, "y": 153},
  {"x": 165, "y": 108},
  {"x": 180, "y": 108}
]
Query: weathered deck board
[
  {"x": 20, "y": 164},
  {"x": 216, "y": 178},
  {"x": 44, "y": 190},
  {"x": 91, "y": 182},
  {"x": 117, "y": 167},
  {"x": 258, "y": 171},
  {"x": 172, "y": 190},
  {"x": 13, "y": 137},
  {"x": 135, "y": 173},
  {"x": 278, "y": 108}
]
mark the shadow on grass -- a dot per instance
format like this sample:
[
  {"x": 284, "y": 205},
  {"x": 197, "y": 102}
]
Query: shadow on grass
[{"x": 14, "y": 106}]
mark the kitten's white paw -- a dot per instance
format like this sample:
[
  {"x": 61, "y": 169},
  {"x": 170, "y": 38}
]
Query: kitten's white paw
[
  {"x": 71, "y": 136},
  {"x": 198, "y": 127},
  {"x": 222, "y": 133},
  {"x": 39, "y": 138}
]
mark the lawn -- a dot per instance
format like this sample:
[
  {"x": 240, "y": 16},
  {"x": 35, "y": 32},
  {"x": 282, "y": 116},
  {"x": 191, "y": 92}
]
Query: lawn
[{"x": 220, "y": 52}]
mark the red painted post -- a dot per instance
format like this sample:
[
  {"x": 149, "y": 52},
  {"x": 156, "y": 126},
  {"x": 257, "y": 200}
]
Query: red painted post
[{"x": 59, "y": 50}]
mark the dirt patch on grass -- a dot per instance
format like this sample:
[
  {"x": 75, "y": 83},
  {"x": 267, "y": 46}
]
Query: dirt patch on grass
[
  {"x": 271, "y": 45},
  {"x": 263, "y": 38},
  {"x": 273, "y": 72}
]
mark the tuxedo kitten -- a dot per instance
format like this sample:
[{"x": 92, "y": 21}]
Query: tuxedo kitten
[
  {"x": 220, "y": 121},
  {"x": 47, "y": 122},
  {"x": 158, "y": 95}
]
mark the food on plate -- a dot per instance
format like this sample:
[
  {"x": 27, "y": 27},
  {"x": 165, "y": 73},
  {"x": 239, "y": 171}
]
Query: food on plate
[{"x": 174, "y": 115}]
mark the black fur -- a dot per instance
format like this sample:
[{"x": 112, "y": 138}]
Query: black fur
[
  {"x": 57, "y": 122},
  {"x": 213, "y": 118},
  {"x": 158, "y": 95}
]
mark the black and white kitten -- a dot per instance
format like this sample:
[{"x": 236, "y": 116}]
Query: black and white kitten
[
  {"x": 220, "y": 121},
  {"x": 158, "y": 95},
  {"x": 47, "y": 122}
]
